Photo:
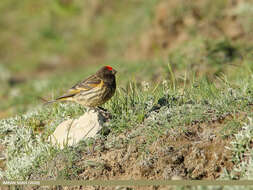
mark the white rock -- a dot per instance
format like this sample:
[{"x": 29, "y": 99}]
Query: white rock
[{"x": 70, "y": 132}]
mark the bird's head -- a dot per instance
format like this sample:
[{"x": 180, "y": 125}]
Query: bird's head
[{"x": 106, "y": 72}]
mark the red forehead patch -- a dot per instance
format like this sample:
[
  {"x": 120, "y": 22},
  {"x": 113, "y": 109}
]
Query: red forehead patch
[{"x": 109, "y": 68}]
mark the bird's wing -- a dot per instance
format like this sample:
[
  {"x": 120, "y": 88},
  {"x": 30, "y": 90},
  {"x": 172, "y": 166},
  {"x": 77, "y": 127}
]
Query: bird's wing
[{"x": 86, "y": 85}]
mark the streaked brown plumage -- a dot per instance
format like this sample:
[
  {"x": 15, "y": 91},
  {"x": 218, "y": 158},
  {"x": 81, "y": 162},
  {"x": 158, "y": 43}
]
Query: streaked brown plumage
[{"x": 94, "y": 90}]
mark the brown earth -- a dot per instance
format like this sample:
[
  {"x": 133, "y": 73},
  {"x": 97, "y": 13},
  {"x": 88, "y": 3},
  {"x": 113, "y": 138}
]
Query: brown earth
[
  {"x": 175, "y": 21},
  {"x": 198, "y": 153}
]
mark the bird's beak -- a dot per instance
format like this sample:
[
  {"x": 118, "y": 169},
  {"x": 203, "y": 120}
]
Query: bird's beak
[{"x": 114, "y": 71}]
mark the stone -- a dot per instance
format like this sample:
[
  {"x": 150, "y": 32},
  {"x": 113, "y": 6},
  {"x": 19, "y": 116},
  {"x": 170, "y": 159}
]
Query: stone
[{"x": 70, "y": 132}]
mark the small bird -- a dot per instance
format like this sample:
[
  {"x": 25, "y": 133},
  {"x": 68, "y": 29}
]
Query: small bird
[{"x": 94, "y": 90}]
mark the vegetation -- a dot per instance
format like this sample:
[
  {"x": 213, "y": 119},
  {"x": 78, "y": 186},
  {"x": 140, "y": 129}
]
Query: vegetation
[{"x": 183, "y": 106}]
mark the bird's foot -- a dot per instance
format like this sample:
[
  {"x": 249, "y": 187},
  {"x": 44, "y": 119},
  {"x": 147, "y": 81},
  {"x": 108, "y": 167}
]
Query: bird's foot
[
  {"x": 106, "y": 114},
  {"x": 97, "y": 109},
  {"x": 102, "y": 109},
  {"x": 91, "y": 109}
]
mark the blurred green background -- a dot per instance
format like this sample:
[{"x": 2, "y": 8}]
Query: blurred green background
[{"x": 46, "y": 46}]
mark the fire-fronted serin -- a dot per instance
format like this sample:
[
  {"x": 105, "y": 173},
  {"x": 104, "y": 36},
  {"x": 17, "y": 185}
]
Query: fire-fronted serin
[{"x": 94, "y": 90}]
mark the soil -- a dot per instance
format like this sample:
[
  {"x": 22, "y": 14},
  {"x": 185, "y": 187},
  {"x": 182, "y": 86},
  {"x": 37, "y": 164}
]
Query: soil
[
  {"x": 199, "y": 153},
  {"x": 171, "y": 27}
]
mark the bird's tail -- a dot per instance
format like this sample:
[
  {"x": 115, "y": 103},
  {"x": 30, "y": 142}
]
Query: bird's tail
[
  {"x": 47, "y": 101},
  {"x": 59, "y": 99}
]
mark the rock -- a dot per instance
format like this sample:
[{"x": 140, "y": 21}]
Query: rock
[
  {"x": 70, "y": 132},
  {"x": 176, "y": 177}
]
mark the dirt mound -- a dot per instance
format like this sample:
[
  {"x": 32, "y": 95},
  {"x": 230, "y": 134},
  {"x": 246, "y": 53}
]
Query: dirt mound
[
  {"x": 197, "y": 153},
  {"x": 178, "y": 21}
]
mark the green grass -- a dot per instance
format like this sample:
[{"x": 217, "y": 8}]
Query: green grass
[{"x": 38, "y": 32}]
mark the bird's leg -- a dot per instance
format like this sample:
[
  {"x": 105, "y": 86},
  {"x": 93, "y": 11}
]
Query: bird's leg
[
  {"x": 93, "y": 109},
  {"x": 98, "y": 109},
  {"x": 104, "y": 112},
  {"x": 89, "y": 109}
]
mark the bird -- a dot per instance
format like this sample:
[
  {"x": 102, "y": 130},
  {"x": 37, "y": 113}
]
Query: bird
[{"x": 93, "y": 91}]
